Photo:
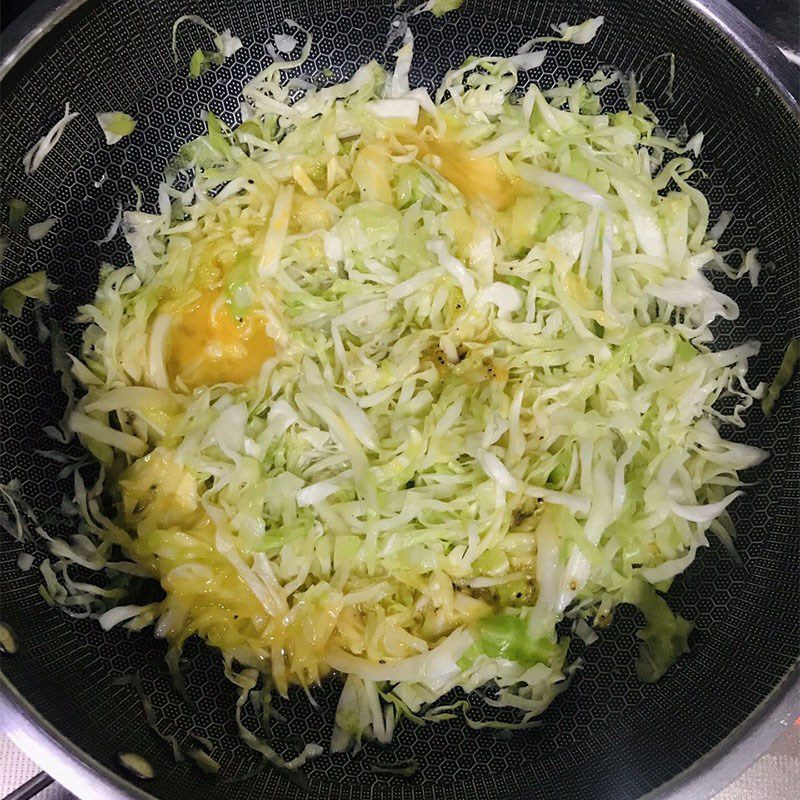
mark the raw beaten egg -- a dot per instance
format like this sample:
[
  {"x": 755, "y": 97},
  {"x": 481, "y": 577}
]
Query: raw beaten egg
[
  {"x": 207, "y": 344},
  {"x": 476, "y": 177}
]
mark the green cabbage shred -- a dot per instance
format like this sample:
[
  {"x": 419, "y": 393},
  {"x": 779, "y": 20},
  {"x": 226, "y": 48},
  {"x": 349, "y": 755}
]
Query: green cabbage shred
[
  {"x": 225, "y": 45},
  {"x": 116, "y": 125},
  {"x": 791, "y": 358},
  {"x": 17, "y": 209},
  {"x": 34, "y": 287}
]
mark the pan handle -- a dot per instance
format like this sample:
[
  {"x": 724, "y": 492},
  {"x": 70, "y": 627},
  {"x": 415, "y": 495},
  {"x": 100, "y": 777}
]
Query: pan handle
[{"x": 29, "y": 789}]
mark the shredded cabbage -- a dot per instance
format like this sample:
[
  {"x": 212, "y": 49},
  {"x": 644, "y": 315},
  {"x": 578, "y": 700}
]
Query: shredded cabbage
[
  {"x": 34, "y": 287},
  {"x": 39, "y": 230},
  {"x": 113, "y": 228},
  {"x": 791, "y": 358},
  {"x": 665, "y": 636},
  {"x": 582, "y": 33},
  {"x": 37, "y": 153},
  {"x": 437, "y": 7},
  {"x": 285, "y": 43},
  {"x": 17, "y": 209},
  {"x": 116, "y": 125},
  {"x": 391, "y": 383},
  {"x": 7, "y": 345},
  {"x": 137, "y": 765},
  {"x": 225, "y": 45},
  {"x": 8, "y": 642}
]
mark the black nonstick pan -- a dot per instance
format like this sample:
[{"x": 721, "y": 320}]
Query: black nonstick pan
[{"x": 608, "y": 737}]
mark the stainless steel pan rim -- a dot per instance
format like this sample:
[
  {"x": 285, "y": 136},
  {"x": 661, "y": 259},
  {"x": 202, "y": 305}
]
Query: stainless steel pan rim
[{"x": 86, "y": 778}]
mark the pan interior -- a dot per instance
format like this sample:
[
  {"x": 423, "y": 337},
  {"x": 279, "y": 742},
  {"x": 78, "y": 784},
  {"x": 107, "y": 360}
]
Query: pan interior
[{"x": 608, "y": 736}]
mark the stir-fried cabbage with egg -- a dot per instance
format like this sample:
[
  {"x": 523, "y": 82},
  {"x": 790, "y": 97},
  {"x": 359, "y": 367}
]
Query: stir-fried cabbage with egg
[{"x": 393, "y": 382}]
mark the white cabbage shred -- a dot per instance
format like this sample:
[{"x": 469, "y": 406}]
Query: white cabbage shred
[
  {"x": 39, "y": 230},
  {"x": 489, "y": 397},
  {"x": 37, "y": 153},
  {"x": 7, "y": 345},
  {"x": 583, "y": 33},
  {"x": 225, "y": 43},
  {"x": 113, "y": 228}
]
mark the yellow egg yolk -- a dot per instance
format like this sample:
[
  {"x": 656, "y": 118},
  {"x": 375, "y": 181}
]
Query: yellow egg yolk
[
  {"x": 208, "y": 345},
  {"x": 476, "y": 177}
]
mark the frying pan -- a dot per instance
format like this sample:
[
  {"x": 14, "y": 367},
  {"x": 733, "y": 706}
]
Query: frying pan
[{"x": 608, "y": 736}]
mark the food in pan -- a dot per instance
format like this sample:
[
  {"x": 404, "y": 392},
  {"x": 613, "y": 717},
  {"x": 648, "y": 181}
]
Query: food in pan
[{"x": 397, "y": 386}]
